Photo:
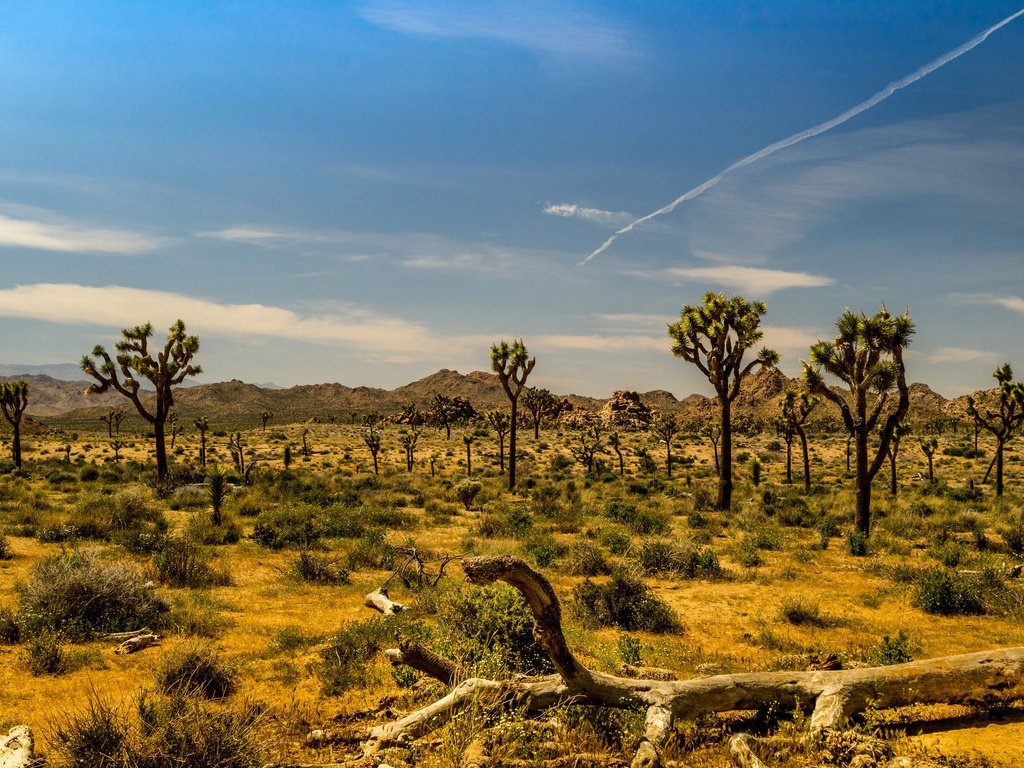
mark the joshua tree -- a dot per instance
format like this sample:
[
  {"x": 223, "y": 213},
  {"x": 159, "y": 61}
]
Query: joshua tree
[
  {"x": 13, "y": 401},
  {"x": 590, "y": 442},
  {"x": 116, "y": 446},
  {"x": 928, "y": 446},
  {"x": 1004, "y": 422},
  {"x": 714, "y": 336},
  {"x": 238, "y": 452},
  {"x": 665, "y": 428},
  {"x": 202, "y": 424},
  {"x": 265, "y": 417},
  {"x": 113, "y": 420},
  {"x": 468, "y": 439},
  {"x": 616, "y": 443},
  {"x": 371, "y": 436},
  {"x": 867, "y": 356},
  {"x": 443, "y": 413},
  {"x": 898, "y": 433},
  {"x": 501, "y": 424},
  {"x": 175, "y": 428},
  {"x": 511, "y": 363},
  {"x": 795, "y": 410},
  {"x": 216, "y": 484},
  {"x": 713, "y": 432},
  {"x": 171, "y": 366},
  {"x": 540, "y": 403},
  {"x": 408, "y": 438},
  {"x": 305, "y": 441}
]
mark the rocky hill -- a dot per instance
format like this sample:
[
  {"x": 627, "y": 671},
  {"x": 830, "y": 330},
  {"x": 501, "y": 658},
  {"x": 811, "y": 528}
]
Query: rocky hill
[{"x": 238, "y": 404}]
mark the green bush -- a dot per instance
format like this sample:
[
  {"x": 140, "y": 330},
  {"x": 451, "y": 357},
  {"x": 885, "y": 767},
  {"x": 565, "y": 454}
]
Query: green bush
[
  {"x": 44, "y": 654},
  {"x": 857, "y": 544},
  {"x": 319, "y": 569},
  {"x": 543, "y": 549},
  {"x": 79, "y": 595},
  {"x": 10, "y": 627},
  {"x": 681, "y": 559},
  {"x": 182, "y": 563},
  {"x": 196, "y": 669},
  {"x": 345, "y": 660},
  {"x": 584, "y": 559},
  {"x": 948, "y": 593},
  {"x": 624, "y": 602},
  {"x": 892, "y": 650}
]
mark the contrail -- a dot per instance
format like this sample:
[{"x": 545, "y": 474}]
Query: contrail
[{"x": 828, "y": 125}]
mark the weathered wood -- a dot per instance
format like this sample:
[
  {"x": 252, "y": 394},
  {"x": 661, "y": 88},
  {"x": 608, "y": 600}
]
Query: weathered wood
[
  {"x": 379, "y": 600},
  {"x": 741, "y": 750},
  {"x": 18, "y": 749},
  {"x": 137, "y": 643},
  {"x": 833, "y": 695},
  {"x": 422, "y": 659}
]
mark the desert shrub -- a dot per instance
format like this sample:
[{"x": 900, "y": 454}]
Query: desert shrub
[
  {"x": 101, "y": 515},
  {"x": 319, "y": 569},
  {"x": 624, "y": 602},
  {"x": 644, "y": 522},
  {"x": 506, "y": 521},
  {"x": 543, "y": 549},
  {"x": 748, "y": 555},
  {"x": 559, "y": 462},
  {"x": 371, "y": 551},
  {"x": 617, "y": 542},
  {"x": 490, "y": 626},
  {"x": 466, "y": 492},
  {"x": 584, "y": 559},
  {"x": 10, "y": 628},
  {"x": 1013, "y": 535},
  {"x": 291, "y": 526},
  {"x": 183, "y": 563},
  {"x": 803, "y": 613},
  {"x": 150, "y": 734},
  {"x": 948, "y": 593},
  {"x": 196, "y": 669},
  {"x": 44, "y": 654},
  {"x": 963, "y": 450},
  {"x": 195, "y": 614},
  {"x": 681, "y": 559},
  {"x": 5, "y": 548},
  {"x": 546, "y": 500},
  {"x": 630, "y": 650},
  {"x": 857, "y": 543},
  {"x": 202, "y": 529},
  {"x": 78, "y": 595},
  {"x": 789, "y": 508},
  {"x": 892, "y": 650},
  {"x": 345, "y": 660}
]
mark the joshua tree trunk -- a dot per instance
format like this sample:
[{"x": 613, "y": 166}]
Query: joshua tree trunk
[
  {"x": 725, "y": 471},
  {"x": 864, "y": 478},
  {"x": 807, "y": 461},
  {"x": 789, "y": 459}
]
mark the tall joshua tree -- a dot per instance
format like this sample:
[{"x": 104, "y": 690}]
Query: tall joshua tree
[
  {"x": 13, "y": 401},
  {"x": 443, "y": 413},
  {"x": 501, "y": 425},
  {"x": 714, "y": 336},
  {"x": 1004, "y": 422},
  {"x": 902, "y": 430},
  {"x": 513, "y": 365},
  {"x": 929, "y": 446},
  {"x": 134, "y": 360},
  {"x": 202, "y": 424},
  {"x": 540, "y": 403},
  {"x": 867, "y": 356},
  {"x": 795, "y": 410}
]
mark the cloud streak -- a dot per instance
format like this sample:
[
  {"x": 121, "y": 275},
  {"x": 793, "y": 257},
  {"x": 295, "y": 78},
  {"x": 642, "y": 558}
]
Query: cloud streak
[
  {"x": 547, "y": 28},
  {"x": 383, "y": 338},
  {"x": 746, "y": 279},
  {"x": 816, "y": 130},
  {"x": 596, "y": 215},
  {"x": 62, "y": 237}
]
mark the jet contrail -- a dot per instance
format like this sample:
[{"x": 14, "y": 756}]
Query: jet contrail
[{"x": 828, "y": 125}]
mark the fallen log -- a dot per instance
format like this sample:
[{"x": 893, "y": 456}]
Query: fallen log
[
  {"x": 137, "y": 643},
  {"x": 831, "y": 696},
  {"x": 379, "y": 600},
  {"x": 18, "y": 749}
]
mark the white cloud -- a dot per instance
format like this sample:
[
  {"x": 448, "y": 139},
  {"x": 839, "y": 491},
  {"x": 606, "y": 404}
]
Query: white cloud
[
  {"x": 558, "y": 29},
  {"x": 596, "y": 215},
  {"x": 1012, "y": 303},
  {"x": 791, "y": 342},
  {"x": 381, "y": 337},
  {"x": 65, "y": 237},
  {"x": 960, "y": 355},
  {"x": 601, "y": 343},
  {"x": 753, "y": 280},
  {"x": 634, "y": 319}
]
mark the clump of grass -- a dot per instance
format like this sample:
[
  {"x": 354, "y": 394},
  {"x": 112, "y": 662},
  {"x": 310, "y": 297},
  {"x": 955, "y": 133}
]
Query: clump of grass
[
  {"x": 803, "y": 613},
  {"x": 318, "y": 569},
  {"x": 44, "y": 654},
  {"x": 624, "y": 602},
  {"x": 584, "y": 559},
  {"x": 948, "y": 593},
  {"x": 182, "y": 563},
  {"x": 892, "y": 650},
  {"x": 196, "y": 669}
]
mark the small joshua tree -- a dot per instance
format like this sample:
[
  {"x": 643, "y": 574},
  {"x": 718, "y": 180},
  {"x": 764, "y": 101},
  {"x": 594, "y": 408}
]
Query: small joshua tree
[
  {"x": 512, "y": 364},
  {"x": 501, "y": 425},
  {"x": 615, "y": 441},
  {"x": 665, "y": 428},
  {"x": 541, "y": 404},
  {"x": 468, "y": 439},
  {"x": 13, "y": 401},
  {"x": 898, "y": 434},
  {"x": 795, "y": 410},
  {"x": 588, "y": 444},
  {"x": 867, "y": 356},
  {"x": 408, "y": 439},
  {"x": 175, "y": 428},
  {"x": 1004, "y": 422},
  {"x": 714, "y": 336},
  {"x": 443, "y": 413},
  {"x": 171, "y": 366},
  {"x": 113, "y": 419},
  {"x": 928, "y": 447},
  {"x": 713, "y": 432},
  {"x": 371, "y": 436},
  {"x": 116, "y": 446},
  {"x": 202, "y": 424},
  {"x": 216, "y": 485},
  {"x": 265, "y": 417}
]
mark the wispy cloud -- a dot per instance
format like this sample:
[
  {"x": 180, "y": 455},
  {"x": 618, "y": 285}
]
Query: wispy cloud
[
  {"x": 954, "y": 355},
  {"x": 601, "y": 343},
  {"x": 47, "y": 233},
  {"x": 380, "y": 337},
  {"x": 752, "y": 280},
  {"x": 552, "y": 29},
  {"x": 634, "y": 319},
  {"x": 596, "y": 215},
  {"x": 791, "y": 342}
]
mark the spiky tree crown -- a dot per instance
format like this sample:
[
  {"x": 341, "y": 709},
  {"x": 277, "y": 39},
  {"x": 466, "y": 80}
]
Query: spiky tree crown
[
  {"x": 714, "y": 336},
  {"x": 512, "y": 364}
]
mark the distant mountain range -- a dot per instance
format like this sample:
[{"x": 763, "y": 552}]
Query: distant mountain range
[{"x": 237, "y": 404}]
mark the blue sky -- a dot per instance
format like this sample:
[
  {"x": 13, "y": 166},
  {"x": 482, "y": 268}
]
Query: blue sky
[{"x": 367, "y": 192}]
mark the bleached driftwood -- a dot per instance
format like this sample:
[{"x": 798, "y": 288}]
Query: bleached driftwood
[
  {"x": 18, "y": 749},
  {"x": 832, "y": 696},
  {"x": 379, "y": 600}
]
